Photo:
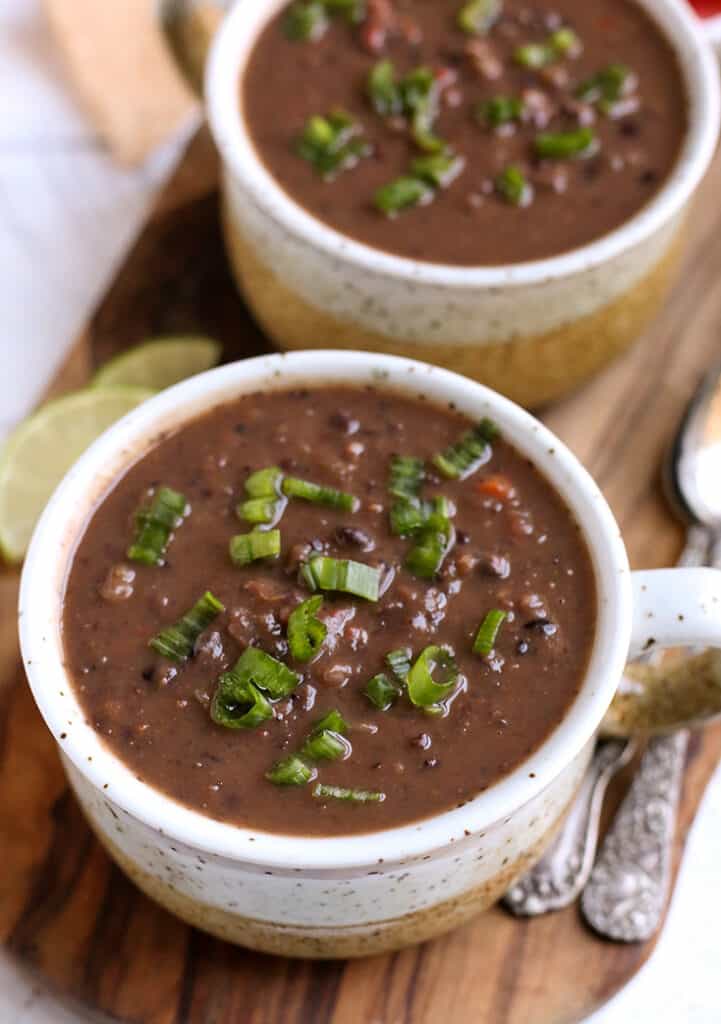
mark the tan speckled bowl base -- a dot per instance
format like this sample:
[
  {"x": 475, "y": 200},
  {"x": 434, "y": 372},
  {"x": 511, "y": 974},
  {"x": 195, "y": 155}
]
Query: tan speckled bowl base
[
  {"x": 530, "y": 370},
  {"x": 332, "y": 943}
]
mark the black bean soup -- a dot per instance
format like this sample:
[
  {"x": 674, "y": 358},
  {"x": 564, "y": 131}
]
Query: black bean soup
[
  {"x": 328, "y": 611},
  {"x": 477, "y": 133}
]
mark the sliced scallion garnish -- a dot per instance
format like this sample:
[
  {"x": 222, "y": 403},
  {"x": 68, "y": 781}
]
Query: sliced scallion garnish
[
  {"x": 291, "y": 771},
  {"x": 237, "y": 703},
  {"x": 356, "y": 796},
  {"x": 333, "y": 143},
  {"x": 425, "y": 691},
  {"x": 500, "y": 110},
  {"x": 327, "y": 740},
  {"x": 265, "y": 503},
  {"x": 513, "y": 185},
  {"x": 401, "y": 194},
  {"x": 566, "y": 145},
  {"x": 488, "y": 632},
  {"x": 562, "y": 43},
  {"x": 382, "y": 691},
  {"x": 399, "y": 662},
  {"x": 431, "y": 546},
  {"x": 467, "y": 455},
  {"x": 420, "y": 92},
  {"x": 343, "y": 575},
  {"x": 154, "y": 525},
  {"x": 178, "y": 642},
  {"x": 438, "y": 169},
  {"x": 477, "y": 17},
  {"x": 318, "y": 494},
  {"x": 406, "y": 476},
  {"x": 607, "y": 87},
  {"x": 249, "y": 547},
  {"x": 305, "y": 20},
  {"x": 266, "y": 672},
  {"x": 383, "y": 90},
  {"x": 306, "y": 632}
]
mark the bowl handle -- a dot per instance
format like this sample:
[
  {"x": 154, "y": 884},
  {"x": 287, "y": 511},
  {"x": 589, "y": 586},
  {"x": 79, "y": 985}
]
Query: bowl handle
[{"x": 672, "y": 608}]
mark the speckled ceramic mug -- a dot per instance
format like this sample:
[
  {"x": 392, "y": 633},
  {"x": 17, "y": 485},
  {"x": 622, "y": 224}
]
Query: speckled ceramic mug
[
  {"x": 531, "y": 331},
  {"x": 345, "y": 896}
]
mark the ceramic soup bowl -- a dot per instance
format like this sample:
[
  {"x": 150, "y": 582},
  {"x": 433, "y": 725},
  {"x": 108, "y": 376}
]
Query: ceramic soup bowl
[
  {"x": 531, "y": 331},
  {"x": 361, "y": 894}
]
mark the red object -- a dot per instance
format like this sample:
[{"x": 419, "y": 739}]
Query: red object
[{"x": 707, "y": 8}]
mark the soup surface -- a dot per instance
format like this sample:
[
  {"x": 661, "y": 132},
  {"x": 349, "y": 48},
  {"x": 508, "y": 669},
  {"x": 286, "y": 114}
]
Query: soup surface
[
  {"x": 467, "y": 563},
  {"x": 538, "y": 128}
]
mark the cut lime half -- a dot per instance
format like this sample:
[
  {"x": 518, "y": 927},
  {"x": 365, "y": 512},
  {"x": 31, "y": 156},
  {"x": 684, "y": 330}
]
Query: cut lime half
[
  {"x": 38, "y": 453},
  {"x": 159, "y": 363}
]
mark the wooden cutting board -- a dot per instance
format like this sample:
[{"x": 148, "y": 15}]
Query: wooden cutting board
[{"x": 68, "y": 914}]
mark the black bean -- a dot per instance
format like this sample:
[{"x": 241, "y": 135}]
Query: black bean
[
  {"x": 648, "y": 177},
  {"x": 344, "y": 422},
  {"x": 423, "y": 741},
  {"x": 522, "y": 647},
  {"x": 629, "y": 127},
  {"x": 148, "y": 673},
  {"x": 431, "y": 762},
  {"x": 496, "y": 566},
  {"x": 355, "y": 537}
]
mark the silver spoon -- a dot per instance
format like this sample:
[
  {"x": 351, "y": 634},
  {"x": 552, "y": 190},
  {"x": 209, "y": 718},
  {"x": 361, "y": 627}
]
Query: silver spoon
[
  {"x": 629, "y": 885},
  {"x": 560, "y": 876}
]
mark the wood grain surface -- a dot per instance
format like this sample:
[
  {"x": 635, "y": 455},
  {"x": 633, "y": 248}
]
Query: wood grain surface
[{"x": 66, "y": 912}]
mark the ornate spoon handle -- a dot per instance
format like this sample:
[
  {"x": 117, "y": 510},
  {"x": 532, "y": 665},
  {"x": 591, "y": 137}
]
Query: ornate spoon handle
[
  {"x": 558, "y": 878},
  {"x": 629, "y": 885}
]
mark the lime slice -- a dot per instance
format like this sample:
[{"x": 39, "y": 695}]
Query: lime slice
[
  {"x": 40, "y": 450},
  {"x": 159, "y": 363}
]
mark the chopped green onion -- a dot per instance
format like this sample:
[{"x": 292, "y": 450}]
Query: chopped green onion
[
  {"x": 409, "y": 515},
  {"x": 334, "y": 721},
  {"x": 562, "y": 43},
  {"x": 291, "y": 771},
  {"x": 420, "y": 93},
  {"x": 306, "y": 633},
  {"x": 353, "y": 10},
  {"x": 477, "y": 17},
  {"x": 383, "y": 90},
  {"x": 401, "y": 193},
  {"x": 356, "y": 796},
  {"x": 607, "y": 87},
  {"x": 266, "y": 672},
  {"x": 238, "y": 704},
  {"x": 264, "y": 483},
  {"x": 406, "y": 476},
  {"x": 348, "y": 577},
  {"x": 249, "y": 547},
  {"x": 154, "y": 524},
  {"x": 423, "y": 690},
  {"x": 333, "y": 143},
  {"x": 265, "y": 502},
  {"x": 488, "y": 632},
  {"x": 438, "y": 169},
  {"x": 399, "y": 662},
  {"x": 382, "y": 691},
  {"x": 326, "y": 741},
  {"x": 305, "y": 20},
  {"x": 566, "y": 145},
  {"x": 467, "y": 455},
  {"x": 178, "y": 642},
  {"x": 501, "y": 110},
  {"x": 513, "y": 185},
  {"x": 319, "y": 495},
  {"x": 430, "y": 549}
]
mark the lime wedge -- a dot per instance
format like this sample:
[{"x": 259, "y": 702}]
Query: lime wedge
[
  {"x": 42, "y": 448},
  {"x": 159, "y": 363}
]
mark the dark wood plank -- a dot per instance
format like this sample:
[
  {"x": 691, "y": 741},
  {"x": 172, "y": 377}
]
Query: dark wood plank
[{"x": 69, "y": 914}]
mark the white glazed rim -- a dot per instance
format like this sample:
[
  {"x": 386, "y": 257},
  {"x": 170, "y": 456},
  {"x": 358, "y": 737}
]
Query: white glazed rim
[
  {"x": 64, "y": 518},
  {"x": 233, "y": 43}
]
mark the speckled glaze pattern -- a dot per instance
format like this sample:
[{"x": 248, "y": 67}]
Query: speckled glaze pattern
[
  {"x": 326, "y": 914},
  {"x": 531, "y": 330},
  {"x": 343, "y": 895},
  {"x": 533, "y": 352}
]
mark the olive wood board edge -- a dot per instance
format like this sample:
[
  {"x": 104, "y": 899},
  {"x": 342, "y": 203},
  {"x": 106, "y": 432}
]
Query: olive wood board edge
[{"x": 68, "y": 915}]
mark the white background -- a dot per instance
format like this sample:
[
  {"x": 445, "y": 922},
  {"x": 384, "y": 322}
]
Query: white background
[{"x": 67, "y": 215}]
